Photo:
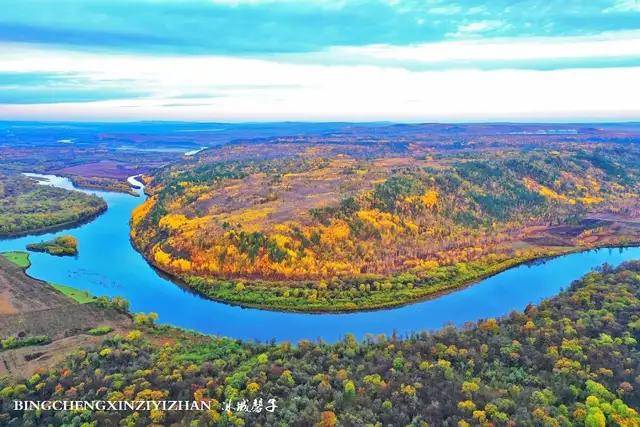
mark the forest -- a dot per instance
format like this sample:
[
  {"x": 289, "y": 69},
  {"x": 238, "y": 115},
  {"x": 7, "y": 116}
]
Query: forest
[
  {"x": 310, "y": 226},
  {"x": 27, "y": 207},
  {"x": 65, "y": 245},
  {"x": 571, "y": 360},
  {"x": 102, "y": 184}
]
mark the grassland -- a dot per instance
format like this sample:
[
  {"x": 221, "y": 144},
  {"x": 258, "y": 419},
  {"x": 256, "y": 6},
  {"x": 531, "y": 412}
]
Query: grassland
[
  {"x": 78, "y": 295},
  {"x": 337, "y": 226},
  {"x": 19, "y": 258}
]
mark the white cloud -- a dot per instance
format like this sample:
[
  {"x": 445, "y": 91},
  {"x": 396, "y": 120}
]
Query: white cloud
[
  {"x": 252, "y": 89},
  {"x": 479, "y": 26},
  {"x": 445, "y": 10},
  {"x": 606, "y": 45},
  {"x": 624, "y": 6}
]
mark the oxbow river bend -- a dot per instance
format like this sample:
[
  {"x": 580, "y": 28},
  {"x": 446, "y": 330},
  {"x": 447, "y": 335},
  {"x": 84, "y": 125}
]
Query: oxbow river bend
[{"x": 108, "y": 265}]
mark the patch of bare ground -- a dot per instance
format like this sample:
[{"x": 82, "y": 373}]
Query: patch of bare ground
[
  {"x": 30, "y": 307},
  {"x": 592, "y": 231}
]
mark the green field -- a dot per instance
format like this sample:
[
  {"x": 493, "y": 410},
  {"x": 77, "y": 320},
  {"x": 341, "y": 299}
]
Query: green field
[
  {"x": 78, "y": 295},
  {"x": 21, "y": 259}
]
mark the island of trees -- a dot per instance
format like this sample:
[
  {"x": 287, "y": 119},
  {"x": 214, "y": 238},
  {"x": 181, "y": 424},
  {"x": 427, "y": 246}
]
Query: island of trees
[
  {"x": 27, "y": 207},
  {"x": 60, "y": 246},
  {"x": 338, "y": 226}
]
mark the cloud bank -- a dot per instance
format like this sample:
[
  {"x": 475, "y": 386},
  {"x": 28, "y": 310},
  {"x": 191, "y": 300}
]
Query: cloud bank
[{"x": 320, "y": 60}]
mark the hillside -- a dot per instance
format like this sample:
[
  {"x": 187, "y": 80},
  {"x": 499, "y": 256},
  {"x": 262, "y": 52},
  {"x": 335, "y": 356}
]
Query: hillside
[
  {"x": 573, "y": 360},
  {"x": 343, "y": 223},
  {"x": 33, "y": 312}
]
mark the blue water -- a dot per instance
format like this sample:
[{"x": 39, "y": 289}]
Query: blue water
[{"x": 108, "y": 265}]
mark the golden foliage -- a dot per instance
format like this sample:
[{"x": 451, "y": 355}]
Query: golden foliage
[
  {"x": 323, "y": 218},
  {"x": 383, "y": 222},
  {"x": 336, "y": 232},
  {"x": 161, "y": 257},
  {"x": 173, "y": 221},
  {"x": 141, "y": 211},
  {"x": 546, "y": 191}
]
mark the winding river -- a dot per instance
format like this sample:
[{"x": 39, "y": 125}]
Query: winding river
[{"x": 108, "y": 265}]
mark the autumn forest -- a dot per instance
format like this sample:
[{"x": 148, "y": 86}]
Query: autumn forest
[
  {"x": 346, "y": 221},
  {"x": 342, "y": 225}
]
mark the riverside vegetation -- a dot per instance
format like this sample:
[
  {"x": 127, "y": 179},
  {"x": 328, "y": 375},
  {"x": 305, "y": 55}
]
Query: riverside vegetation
[
  {"x": 572, "y": 360},
  {"x": 338, "y": 226},
  {"x": 27, "y": 207}
]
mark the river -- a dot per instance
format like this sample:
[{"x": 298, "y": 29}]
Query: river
[{"x": 108, "y": 265}]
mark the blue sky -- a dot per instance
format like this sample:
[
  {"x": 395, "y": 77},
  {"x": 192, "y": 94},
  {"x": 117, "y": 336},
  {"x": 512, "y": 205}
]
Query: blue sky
[
  {"x": 263, "y": 27},
  {"x": 318, "y": 59}
]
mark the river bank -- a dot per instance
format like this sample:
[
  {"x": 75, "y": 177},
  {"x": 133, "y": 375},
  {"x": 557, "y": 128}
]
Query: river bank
[
  {"x": 226, "y": 292},
  {"x": 109, "y": 265}
]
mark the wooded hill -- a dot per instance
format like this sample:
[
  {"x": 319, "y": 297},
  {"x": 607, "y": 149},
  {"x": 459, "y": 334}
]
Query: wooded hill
[{"x": 340, "y": 226}]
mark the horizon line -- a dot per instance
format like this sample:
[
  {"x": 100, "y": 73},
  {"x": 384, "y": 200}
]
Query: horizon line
[{"x": 390, "y": 122}]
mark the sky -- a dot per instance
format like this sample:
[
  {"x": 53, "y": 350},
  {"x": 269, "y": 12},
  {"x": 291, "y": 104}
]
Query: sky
[{"x": 320, "y": 60}]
